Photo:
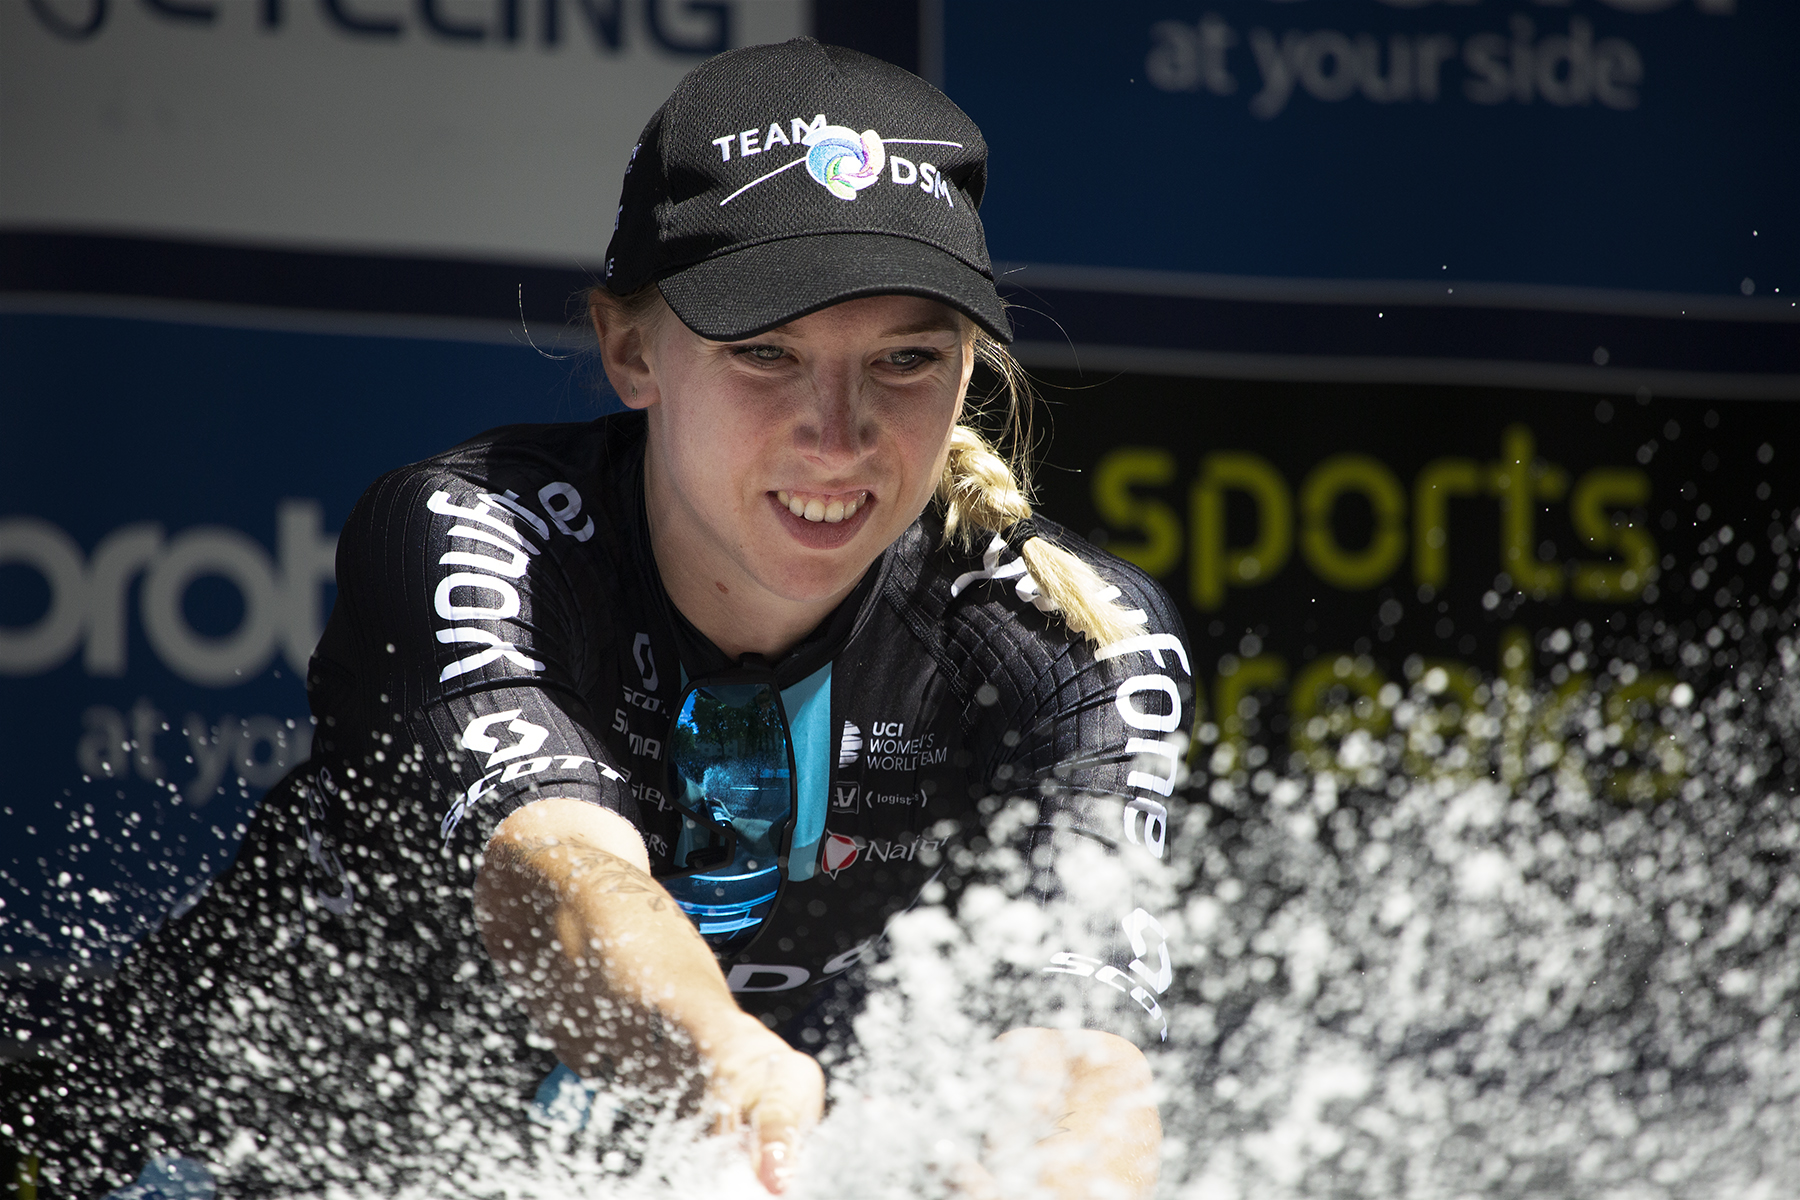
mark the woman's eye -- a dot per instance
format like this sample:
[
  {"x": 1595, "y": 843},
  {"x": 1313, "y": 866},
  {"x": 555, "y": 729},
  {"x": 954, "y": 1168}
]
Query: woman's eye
[
  {"x": 763, "y": 354},
  {"x": 911, "y": 359}
]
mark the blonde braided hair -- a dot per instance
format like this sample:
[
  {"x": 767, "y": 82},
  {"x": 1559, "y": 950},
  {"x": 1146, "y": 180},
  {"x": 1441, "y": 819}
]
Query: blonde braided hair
[{"x": 985, "y": 492}]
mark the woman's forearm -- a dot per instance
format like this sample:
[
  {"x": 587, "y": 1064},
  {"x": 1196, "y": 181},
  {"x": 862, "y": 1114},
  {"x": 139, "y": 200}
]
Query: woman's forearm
[
  {"x": 620, "y": 981},
  {"x": 601, "y": 957}
]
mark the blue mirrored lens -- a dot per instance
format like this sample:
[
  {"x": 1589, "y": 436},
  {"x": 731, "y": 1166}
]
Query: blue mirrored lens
[{"x": 730, "y": 753}]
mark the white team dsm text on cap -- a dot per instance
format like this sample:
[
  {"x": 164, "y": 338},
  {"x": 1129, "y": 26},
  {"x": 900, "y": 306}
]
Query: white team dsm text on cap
[{"x": 779, "y": 180}]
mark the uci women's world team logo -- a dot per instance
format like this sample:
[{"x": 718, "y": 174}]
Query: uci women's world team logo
[{"x": 839, "y": 159}]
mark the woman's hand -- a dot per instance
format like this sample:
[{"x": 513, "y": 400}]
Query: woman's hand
[
  {"x": 762, "y": 1089},
  {"x": 1087, "y": 1124}
]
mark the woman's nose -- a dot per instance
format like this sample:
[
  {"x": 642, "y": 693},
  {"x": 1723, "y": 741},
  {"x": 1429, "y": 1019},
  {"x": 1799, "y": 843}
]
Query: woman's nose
[{"x": 833, "y": 430}]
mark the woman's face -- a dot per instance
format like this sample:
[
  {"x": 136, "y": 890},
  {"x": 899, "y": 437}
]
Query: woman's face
[{"x": 780, "y": 467}]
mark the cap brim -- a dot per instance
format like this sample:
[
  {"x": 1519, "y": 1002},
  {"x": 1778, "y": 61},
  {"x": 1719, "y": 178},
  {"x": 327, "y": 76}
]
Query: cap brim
[{"x": 751, "y": 291}]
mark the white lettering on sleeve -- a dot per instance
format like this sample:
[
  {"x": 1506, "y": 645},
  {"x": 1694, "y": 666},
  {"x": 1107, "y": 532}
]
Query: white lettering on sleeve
[
  {"x": 511, "y": 500},
  {"x": 517, "y": 556},
  {"x": 529, "y": 766},
  {"x": 496, "y": 649},
  {"x": 1155, "y": 821},
  {"x": 484, "y": 513},
  {"x": 1112, "y": 977},
  {"x": 1138, "y": 719},
  {"x": 1148, "y": 1003},
  {"x": 1135, "y": 924},
  {"x": 1169, "y": 751},
  {"x": 1152, "y": 644},
  {"x": 507, "y": 607},
  {"x": 563, "y": 503},
  {"x": 1066, "y": 962}
]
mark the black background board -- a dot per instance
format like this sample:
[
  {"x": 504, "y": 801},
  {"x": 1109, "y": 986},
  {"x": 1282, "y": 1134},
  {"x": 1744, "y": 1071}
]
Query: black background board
[{"x": 1708, "y": 466}]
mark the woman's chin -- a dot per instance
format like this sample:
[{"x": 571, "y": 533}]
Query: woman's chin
[
  {"x": 813, "y": 584},
  {"x": 814, "y": 577}
]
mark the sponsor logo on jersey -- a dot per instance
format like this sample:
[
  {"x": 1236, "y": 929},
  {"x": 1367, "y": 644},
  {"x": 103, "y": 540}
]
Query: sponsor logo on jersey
[
  {"x": 1149, "y": 983},
  {"x": 905, "y": 851},
  {"x": 838, "y": 852},
  {"x": 785, "y": 977},
  {"x": 475, "y": 736},
  {"x": 889, "y": 749},
  {"x": 643, "y": 700},
  {"x": 766, "y": 977},
  {"x": 877, "y": 800},
  {"x": 850, "y": 745},
  {"x": 645, "y": 658},
  {"x": 842, "y": 851},
  {"x": 844, "y": 798},
  {"x": 507, "y": 763},
  {"x": 642, "y": 745}
]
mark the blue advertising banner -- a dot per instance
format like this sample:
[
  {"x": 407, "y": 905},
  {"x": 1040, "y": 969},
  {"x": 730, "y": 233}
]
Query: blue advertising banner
[
  {"x": 1632, "y": 158},
  {"x": 1595, "y": 145},
  {"x": 173, "y": 491}
]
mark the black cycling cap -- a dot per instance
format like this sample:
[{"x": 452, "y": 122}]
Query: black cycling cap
[{"x": 779, "y": 180}]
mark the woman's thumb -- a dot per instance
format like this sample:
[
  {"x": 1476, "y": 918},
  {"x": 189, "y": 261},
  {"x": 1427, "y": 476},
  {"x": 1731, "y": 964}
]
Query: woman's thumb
[
  {"x": 777, "y": 1132},
  {"x": 775, "y": 1163}
]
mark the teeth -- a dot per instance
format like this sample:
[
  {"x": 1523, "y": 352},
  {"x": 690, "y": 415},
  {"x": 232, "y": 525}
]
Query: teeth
[{"x": 815, "y": 509}]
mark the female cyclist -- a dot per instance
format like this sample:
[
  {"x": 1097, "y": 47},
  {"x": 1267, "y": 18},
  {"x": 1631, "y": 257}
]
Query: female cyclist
[{"x": 691, "y": 700}]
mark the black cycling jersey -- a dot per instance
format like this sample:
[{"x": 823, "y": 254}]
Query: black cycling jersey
[{"x": 501, "y": 634}]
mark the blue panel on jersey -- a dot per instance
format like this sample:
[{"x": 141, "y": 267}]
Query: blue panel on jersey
[{"x": 808, "y": 705}]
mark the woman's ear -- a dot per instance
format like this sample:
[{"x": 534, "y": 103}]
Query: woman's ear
[{"x": 622, "y": 347}]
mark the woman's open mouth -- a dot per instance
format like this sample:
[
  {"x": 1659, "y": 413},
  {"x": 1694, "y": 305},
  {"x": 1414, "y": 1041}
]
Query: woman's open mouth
[
  {"x": 822, "y": 520},
  {"x": 816, "y": 507}
]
